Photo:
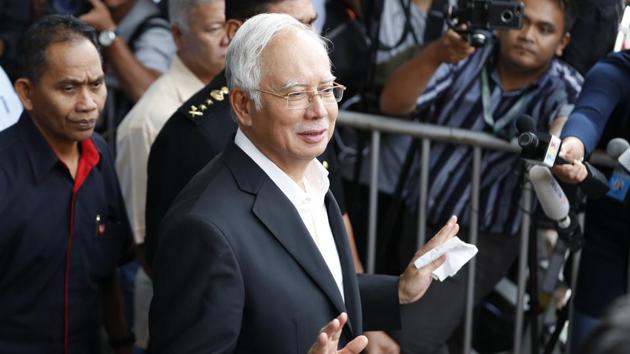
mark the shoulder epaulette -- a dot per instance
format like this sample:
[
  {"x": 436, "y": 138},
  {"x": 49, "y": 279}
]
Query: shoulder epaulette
[{"x": 199, "y": 108}]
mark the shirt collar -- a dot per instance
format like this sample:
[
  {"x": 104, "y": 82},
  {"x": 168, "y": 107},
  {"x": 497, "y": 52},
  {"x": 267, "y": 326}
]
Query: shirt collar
[
  {"x": 316, "y": 181},
  {"x": 41, "y": 156},
  {"x": 185, "y": 82}
]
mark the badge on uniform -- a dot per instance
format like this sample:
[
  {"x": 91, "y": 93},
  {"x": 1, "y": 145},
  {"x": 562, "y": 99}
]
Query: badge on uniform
[
  {"x": 619, "y": 184},
  {"x": 100, "y": 226}
]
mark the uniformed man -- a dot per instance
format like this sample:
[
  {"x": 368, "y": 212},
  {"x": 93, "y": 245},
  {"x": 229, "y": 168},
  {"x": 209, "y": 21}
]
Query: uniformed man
[{"x": 198, "y": 30}]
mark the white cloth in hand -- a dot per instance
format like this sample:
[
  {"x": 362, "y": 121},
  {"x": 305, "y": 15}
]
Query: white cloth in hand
[{"x": 457, "y": 253}]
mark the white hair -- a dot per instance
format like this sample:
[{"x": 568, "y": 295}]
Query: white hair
[
  {"x": 243, "y": 67},
  {"x": 179, "y": 11}
]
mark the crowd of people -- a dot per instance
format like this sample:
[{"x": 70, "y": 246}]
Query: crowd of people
[{"x": 169, "y": 171}]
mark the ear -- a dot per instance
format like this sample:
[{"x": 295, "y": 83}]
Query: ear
[
  {"x": 564, "y": 42},
  {"x": 231, "y": 26},
  {"x": 242, "y": 107},
  {"x": 24, "y": 89},
  {"x": 176, "y": 32}
]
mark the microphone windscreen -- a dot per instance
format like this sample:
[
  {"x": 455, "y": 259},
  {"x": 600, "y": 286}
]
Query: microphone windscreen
[
  {"x": 550, "y": 195},
  {"x": 525, "y": 124},
  {"x": 616, "y": 147}
]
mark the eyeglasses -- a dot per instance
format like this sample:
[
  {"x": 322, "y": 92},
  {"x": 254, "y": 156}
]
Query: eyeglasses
[{"x": 303, "y": 99}]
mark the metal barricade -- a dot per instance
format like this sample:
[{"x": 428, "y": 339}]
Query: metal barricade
[{"x": 478, "y": 141}]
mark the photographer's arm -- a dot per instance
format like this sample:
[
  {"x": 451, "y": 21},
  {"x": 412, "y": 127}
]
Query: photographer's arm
[
  {"x": 134, "y": 77},
  {"x": 408, "y": 82}
]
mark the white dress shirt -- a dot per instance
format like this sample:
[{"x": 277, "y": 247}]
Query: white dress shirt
[
  {"x": 138, "y": 130},
  {"x": 10, "y": 105},
  {"x": 309, "y": 202}
]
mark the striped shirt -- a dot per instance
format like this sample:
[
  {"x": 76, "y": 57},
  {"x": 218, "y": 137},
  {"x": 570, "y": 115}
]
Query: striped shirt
[{"x": 453, "y": 98}]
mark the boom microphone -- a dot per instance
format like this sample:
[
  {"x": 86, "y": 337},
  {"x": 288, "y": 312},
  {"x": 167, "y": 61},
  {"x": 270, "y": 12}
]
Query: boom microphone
[
  {"x": 550, "y": 195},
  {"x": 556, "y": 206}
]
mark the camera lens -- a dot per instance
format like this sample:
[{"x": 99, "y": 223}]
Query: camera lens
[{"x": 507, "y": 16}]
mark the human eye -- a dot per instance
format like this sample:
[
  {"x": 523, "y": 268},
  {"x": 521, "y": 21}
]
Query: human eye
[
  {"x": 96, "y": 84},
  {"x": 214, "y": 28},
  {"x": 69, "y": 88},
  {"x": 327, "y": 91},
  {"x": 546, "y": 29},
  {"x": 297, "y": 95}
]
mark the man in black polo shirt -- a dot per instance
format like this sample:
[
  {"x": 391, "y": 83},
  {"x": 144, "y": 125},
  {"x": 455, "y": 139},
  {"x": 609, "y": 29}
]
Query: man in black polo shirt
[{"x": 63, "y": 227}]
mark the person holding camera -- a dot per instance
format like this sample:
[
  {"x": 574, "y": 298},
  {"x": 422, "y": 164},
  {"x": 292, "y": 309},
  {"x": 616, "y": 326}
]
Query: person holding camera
[{"x": 487, "y": 89}]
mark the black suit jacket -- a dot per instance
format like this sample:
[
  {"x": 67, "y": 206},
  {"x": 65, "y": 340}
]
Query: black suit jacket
[{"x": 237, "y": 272}]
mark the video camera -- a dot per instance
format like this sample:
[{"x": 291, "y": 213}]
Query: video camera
[{"x": 480, "y": 16}]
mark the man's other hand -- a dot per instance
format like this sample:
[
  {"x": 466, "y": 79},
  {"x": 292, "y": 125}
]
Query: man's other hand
[
  {"x": 415, "y": 282},
  {"x": 328, "y": 339},
  {"x": 572, "y": 151}
]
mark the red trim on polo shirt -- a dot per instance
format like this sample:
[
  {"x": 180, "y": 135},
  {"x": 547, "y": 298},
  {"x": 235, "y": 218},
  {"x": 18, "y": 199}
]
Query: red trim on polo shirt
[{"x": 88, "y": 159}]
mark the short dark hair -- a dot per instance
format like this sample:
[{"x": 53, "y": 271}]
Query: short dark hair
[
  {"x": 244, "y": 9},
  {"x": 46, "y": 31}
]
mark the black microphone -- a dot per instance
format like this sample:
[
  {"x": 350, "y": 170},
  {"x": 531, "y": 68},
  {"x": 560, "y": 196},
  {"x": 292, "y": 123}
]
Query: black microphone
[
  {"x": 555, "y": 205},
  {"x": 619, "y": 150},
  {"x": 543, "y": 148},
  {"x": 538, "y": 147}
]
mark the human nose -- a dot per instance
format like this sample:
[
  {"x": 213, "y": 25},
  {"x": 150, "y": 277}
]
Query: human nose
[
  {"x": 527, "y": 32},
  {"x": 317, "y": 104},
  {"x": 86, "y": 101}
]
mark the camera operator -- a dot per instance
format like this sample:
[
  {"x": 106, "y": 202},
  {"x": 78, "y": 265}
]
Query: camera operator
[
  {"x": 601, "y": 113},
  {"x": 514, "y": 74}
]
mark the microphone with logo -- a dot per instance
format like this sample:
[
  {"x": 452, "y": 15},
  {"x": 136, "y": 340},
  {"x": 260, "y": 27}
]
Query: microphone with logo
[
  {"x": 538, "y": 147},
  {"x": 543, "y": 148},
  {"x": 619, "y": 150},
  {"x": 556, "y": 207}
]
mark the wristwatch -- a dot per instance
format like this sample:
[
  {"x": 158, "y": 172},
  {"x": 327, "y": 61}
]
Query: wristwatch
[{"x": 107, "y": 37}]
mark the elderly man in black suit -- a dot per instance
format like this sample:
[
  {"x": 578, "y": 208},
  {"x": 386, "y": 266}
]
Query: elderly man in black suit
[{"x": 252, "y": 256}]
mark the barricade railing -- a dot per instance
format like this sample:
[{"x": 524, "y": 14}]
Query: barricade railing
[{"x": 478, "y": 141}]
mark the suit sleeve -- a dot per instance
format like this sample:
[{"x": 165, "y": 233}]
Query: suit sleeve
[
  {"x": 379, "y": 301},
  {"x": 604, "y": 87},
  {"x": 198, "y": 290}
]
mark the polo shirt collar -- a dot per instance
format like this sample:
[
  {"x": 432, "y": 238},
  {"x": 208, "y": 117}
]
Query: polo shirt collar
[{"x": 41, "y": 156}]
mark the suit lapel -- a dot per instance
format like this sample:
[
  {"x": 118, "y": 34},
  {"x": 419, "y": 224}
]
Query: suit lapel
[
  {"x": 277, "y": 213},
  {"x": 350, "y": 285}
]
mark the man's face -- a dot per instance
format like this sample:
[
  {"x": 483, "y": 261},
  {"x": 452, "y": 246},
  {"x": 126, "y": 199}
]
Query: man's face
[
  {"x": 541, "y": 38},
  {"x": 204, "y": 46},
  {"x": 301, "y": 10},
  {"x": 292, "y": 62},
  {"x": 69, "y": 95}
]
